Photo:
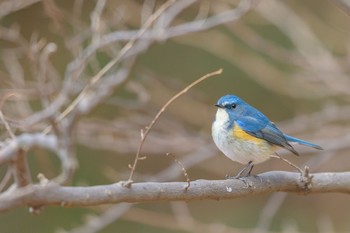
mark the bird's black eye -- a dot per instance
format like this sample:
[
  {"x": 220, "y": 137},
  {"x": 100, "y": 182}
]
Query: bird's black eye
[{"x": 231, "y": 106}]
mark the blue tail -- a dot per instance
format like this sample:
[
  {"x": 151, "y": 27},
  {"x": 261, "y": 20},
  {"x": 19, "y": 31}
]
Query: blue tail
[{"x": 302, "y": 142}]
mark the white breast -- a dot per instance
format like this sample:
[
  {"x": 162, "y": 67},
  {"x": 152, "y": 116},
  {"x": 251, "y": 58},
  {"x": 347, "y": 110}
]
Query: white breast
[{"x": 241, "y": 151}]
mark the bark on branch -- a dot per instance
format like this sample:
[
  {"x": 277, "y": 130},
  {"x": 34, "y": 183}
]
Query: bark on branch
[{"x": 276, "y": 181}]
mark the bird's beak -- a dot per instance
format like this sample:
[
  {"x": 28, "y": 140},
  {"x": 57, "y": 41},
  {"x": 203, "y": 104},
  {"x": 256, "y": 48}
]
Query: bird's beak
[{"x": 218, "y": 105}]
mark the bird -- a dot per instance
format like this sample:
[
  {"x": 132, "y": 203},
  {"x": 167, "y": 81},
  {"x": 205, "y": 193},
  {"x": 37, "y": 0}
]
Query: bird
[{"x": 247, "y": 136}]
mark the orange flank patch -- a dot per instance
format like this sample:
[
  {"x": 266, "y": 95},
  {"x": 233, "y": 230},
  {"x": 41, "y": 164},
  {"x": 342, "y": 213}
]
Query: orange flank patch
[{"x": 239, "y": 133}]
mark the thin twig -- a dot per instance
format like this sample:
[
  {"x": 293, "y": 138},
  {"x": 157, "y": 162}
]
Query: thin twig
[
  {"x": 184, "y": 171},
  {"x": 21, "y": 170},
  {"x": 288, "y": 162},
  {"x": 7, "y": 126},
  {"x": 145, "y": 132},
  {"x": 306, "y": 178},
  {"x": 6, "y": 179},
  {"x": 2, "y": 117}
]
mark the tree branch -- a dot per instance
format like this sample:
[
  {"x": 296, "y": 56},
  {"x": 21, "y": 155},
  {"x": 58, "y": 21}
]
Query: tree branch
[
  {"x": 51, "y": 193},
  {"x": 26, "y": 142}
]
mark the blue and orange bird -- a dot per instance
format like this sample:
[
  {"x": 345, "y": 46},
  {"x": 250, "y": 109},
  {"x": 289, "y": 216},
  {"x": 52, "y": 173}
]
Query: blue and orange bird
[{"x": 247, "y": 136}]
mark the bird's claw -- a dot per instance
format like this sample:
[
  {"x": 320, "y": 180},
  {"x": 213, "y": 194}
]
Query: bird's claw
[{"x": 242, "y": 178}]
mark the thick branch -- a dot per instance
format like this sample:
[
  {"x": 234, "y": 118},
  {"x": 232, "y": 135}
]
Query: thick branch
[
  {"x": 26, "y": 142},
  {"x": 276, "y": 181}
]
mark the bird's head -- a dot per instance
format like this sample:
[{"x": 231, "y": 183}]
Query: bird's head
[{"x": 229, "y": 108}]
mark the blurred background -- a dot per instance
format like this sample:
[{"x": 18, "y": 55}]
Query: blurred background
[{"x": 290, "y": 59}]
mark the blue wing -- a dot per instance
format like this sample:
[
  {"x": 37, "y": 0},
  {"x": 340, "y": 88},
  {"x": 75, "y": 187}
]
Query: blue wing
[{"x": 261, "y": 127}]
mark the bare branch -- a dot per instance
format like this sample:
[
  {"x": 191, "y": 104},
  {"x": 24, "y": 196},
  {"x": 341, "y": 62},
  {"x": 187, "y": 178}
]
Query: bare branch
[
  {"x": 269, "y": 182},
  {"x": 204, "y": 24},
  {"x": 27, "y": 141},
  {"x": 161, "y": 33}
]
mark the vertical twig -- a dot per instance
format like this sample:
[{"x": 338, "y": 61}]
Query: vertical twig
[
  {"x": 184, "y": 171},
  {"x": 20, "y": 168},
  {"x": 7, "y": 126},
  {"x": 147, "y": 129}
]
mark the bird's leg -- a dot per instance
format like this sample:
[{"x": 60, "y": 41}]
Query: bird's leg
[
  {"x": 239, "y": 174},
  {"x": 250, "y": 169}
]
